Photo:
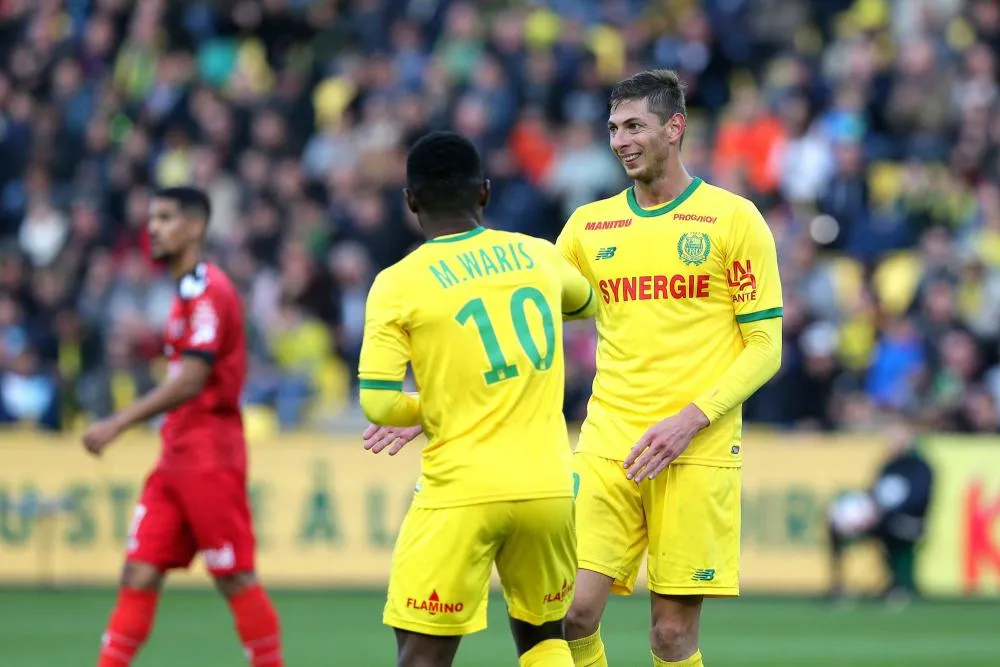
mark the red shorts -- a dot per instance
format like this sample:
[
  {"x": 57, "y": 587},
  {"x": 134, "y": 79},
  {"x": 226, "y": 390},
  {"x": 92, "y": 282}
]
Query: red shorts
[{"x": 181, "y": 514}]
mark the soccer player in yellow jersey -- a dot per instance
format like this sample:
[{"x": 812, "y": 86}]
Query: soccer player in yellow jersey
[
  {"x": 478, "y": 314},
  {"x": 689, "y": 326}
]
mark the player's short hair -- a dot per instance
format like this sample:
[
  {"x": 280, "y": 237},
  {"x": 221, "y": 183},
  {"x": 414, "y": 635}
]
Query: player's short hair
[
  {"x": 192, "y": 202},
  {"x": 661, "y": 88},
  {"x": 444, "y": 172}
]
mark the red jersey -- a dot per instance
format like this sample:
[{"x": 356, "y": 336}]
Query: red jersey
[{"x": 206, "y": 320}]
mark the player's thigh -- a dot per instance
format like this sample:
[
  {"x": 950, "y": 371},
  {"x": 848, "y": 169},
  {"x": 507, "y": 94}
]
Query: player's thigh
[
  {"x": 441, "y": 566},
  {"x": 610, "y": 524},
  {"x": 217, "y": 509},
  {"x": 158, "y": 534},
  {"x": 537, "y": 560},
  {"x": 693, "y": 513}
]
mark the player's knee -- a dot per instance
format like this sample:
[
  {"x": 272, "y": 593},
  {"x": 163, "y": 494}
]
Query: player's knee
[
  {"x": 141, "y": 576},
  {"x": 583, "y": 619},
  {"x": 674, "y": 636},
  {"x": 235, "y": 583},
  {"x": 589, "y": 599}
]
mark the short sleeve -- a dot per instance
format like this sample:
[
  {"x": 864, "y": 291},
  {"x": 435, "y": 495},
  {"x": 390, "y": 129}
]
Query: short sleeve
[
  {"x": 385, "y": 349},
  {"x": 567, "y": 242},
  {"x": 206, "y": 324},
  {"x": 752, "y": 267},
  {"x": 577, "y": 294}
]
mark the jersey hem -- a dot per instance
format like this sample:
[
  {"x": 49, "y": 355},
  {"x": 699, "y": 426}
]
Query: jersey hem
[
  {"x": 615, "y": 573},
  {"x": 590, "y": 297},
  {"x": 713, "y": 591},
  {"x": 503, "y": 498},
  {"x": 204, "y": 355},
  {"x": 768, "y": 314},
  {"x": 394, "y": 621},
  {"x": 697, "y": 461},
  {"x": 392, "y": 385}
]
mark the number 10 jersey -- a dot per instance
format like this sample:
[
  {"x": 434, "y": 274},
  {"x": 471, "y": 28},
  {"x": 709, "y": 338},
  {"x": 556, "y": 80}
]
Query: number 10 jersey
[{"x": 479, "y": 317}]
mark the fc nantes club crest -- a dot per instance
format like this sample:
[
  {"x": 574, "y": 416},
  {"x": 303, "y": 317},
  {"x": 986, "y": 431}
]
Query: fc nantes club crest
[{"x": 693, "y": 248}]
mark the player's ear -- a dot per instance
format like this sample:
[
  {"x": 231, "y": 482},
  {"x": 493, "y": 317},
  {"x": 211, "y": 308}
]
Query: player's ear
[
  {"x": 411, "y": 200},
  {"x": 484, "y": 193},
  {"x": 676, "y": 126},
  {"x": 197, "y": 227}
]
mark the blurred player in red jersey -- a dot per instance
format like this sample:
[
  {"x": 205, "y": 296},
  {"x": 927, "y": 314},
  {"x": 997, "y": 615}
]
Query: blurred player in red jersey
[{"x": 195, "y": 500}]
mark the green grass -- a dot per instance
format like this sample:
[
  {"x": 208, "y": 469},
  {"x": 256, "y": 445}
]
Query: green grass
[{"x": 60, "y": 628}]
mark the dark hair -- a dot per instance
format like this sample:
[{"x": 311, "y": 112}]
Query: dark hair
[
  {"x": 192, "y": 202},
  {"x": 444, "y": 172},
  {"x": 661, "y": 88}
]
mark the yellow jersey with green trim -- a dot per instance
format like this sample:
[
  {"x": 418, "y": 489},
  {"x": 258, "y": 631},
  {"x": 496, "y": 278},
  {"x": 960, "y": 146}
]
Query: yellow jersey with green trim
[
  {"x": 478, "y": 315},
  {"x": 673, "y": 285}
]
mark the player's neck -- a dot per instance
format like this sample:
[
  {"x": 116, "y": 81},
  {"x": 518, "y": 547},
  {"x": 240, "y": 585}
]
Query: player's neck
[
  {"x": 668, "y": 187},
  {"x": 184, "y": 263},
  {"x": 450, "y": 227}
]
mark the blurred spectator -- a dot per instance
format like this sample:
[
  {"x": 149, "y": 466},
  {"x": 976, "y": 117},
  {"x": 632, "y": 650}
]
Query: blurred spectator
[
  {"x": 299, "y": 343},
  {"x": 27, "y": 394},
  {"x": 871, "y": 141},
  {"x": 119, "y": 380},
  {"x": 584, "y": 170},
  {"x": 898, "y": 364}
]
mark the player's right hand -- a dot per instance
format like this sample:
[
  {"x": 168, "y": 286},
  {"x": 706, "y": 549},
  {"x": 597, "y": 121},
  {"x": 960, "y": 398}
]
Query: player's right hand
[
  {"x": 395, "y": 438},
  {"x": 100, "y": 435}
]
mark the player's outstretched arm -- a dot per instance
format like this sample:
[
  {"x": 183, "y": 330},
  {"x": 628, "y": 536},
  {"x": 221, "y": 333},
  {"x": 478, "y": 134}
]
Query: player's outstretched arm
[
  {"x": 578, "y": 300},
  {"x": 180, "y": 387}
]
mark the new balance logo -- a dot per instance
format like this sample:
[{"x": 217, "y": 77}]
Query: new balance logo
[
  {"x": 703, "y": 575},
  {"x": 607, "y": 253}
]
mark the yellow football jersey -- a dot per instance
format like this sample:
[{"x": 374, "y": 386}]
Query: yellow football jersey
[
  {"x": 673, "y": 284},
  {"x": 479, "y": 317}
]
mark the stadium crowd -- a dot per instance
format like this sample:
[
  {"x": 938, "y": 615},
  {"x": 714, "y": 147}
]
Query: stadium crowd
[{"x": 871, "y": 146}]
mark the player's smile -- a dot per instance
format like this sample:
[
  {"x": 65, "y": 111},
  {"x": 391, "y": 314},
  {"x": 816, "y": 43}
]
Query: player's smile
[{"x": 628, "y": 159}]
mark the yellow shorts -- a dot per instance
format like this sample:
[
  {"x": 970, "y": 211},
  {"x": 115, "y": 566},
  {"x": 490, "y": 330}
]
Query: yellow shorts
[
  {"x": 443, "y": 560},
  {"x": 689, "y": 518}
]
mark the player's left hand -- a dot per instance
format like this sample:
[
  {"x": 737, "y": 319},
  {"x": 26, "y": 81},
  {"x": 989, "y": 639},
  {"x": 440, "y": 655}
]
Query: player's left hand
[
  {"x": 664, "y": 442},
  {"x": 378, "y": 438},
  {"x": 100, "y": 435}
]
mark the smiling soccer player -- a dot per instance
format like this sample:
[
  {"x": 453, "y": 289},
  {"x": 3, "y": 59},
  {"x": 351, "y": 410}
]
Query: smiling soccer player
[{"x": 689, "y": 326}]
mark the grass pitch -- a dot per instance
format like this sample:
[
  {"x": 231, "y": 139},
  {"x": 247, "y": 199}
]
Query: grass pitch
[{"x": 343, "y": 629}]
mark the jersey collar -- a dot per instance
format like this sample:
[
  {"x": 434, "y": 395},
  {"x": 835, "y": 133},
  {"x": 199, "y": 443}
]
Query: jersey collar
[
  {"x": 461, "y": 236},
  {"x": 192, "y": 285},
  {"x": 665, "y": 208}
]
